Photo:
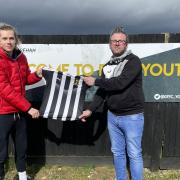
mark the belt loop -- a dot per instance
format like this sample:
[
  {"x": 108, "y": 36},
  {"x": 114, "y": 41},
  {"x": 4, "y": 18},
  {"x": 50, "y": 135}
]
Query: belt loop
[
  {"x": 18, "y": 116},
  {"x": 14, "y": 116}
]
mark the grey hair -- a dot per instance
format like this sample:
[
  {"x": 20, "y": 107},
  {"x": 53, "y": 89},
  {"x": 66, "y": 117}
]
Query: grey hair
[
  {"x": 5, "y": 27},
  {"x": 119, "y": 29}
]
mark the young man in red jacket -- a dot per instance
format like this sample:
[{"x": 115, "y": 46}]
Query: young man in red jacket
[{"x": 14, "y": 75}]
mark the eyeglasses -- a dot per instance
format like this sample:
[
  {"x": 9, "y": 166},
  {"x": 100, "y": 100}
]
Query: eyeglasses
[{"x": 121, "y": 42}]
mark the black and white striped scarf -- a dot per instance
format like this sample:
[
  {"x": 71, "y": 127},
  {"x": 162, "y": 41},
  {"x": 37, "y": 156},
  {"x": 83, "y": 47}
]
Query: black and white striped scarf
[{"x": 115, "y": 65}]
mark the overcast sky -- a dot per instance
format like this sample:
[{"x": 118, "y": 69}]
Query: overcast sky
[{"x": 62, "y": 17}]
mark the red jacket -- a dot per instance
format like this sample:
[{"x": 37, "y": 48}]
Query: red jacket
[{"x": 14, "y": 75}]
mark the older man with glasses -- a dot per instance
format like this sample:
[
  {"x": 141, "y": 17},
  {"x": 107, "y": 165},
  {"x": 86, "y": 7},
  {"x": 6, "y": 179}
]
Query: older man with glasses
[{"x": 121, "y": 87}]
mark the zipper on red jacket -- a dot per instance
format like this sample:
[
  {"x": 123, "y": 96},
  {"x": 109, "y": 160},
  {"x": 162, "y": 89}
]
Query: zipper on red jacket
[{"x": 20, "y": 77}]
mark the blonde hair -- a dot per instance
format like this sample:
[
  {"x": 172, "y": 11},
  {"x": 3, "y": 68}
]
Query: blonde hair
[{"x": 6, "y": 27}]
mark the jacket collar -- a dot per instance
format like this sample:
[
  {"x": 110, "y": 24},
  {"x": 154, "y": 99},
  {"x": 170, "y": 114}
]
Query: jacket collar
[{"x": 15, "y": 55}]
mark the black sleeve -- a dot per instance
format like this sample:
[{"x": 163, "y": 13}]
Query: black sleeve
[
  {"x": 130, "y": 72},
  {"x": 98, "y": 100}
]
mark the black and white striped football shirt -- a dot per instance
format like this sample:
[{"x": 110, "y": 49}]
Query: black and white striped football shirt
[{"x": 63, "y": 97}]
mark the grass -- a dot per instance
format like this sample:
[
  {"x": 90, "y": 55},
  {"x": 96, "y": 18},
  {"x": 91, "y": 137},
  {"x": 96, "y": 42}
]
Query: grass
[{"x": 56, "y": 172}]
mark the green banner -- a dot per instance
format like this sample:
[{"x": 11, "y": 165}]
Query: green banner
[{"x": 161, "y": 76}]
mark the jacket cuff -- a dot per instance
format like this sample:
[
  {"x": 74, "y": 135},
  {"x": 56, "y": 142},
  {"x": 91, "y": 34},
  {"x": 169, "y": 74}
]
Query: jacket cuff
[
  {"x": 29, "y": 108},
  {"x": 40, "y": 77}
]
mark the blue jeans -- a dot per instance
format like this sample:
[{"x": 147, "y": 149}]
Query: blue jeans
[{"x": 126, "y": 135}]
